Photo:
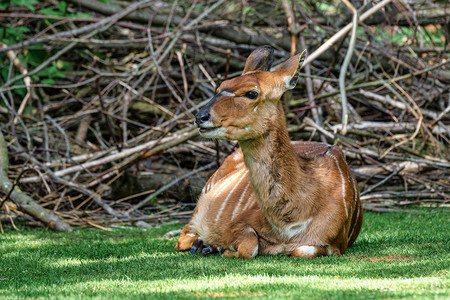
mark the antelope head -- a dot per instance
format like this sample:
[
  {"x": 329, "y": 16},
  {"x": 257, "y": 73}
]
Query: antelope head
[{"x": 245, "y": 106}]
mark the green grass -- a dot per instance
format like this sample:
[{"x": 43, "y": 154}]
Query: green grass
[{"x": 395, "y": 256}]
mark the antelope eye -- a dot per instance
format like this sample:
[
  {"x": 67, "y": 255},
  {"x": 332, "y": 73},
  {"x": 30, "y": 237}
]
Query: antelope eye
[{"x": 251, "y": 95}]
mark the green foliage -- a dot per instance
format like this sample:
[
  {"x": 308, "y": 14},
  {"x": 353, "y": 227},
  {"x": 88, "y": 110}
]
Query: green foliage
[
  {"x": 396, "y": 256},
  {"x": 12, "y": 35},
  {"x": 248, "y": 10},
  {"x": 323, "y": 6},
  {"x": 34, "y": 55},
  {"x": 23, "y": 3},
  {"x": 61, "y": 10},
  {"x": 404, "y": 35}
]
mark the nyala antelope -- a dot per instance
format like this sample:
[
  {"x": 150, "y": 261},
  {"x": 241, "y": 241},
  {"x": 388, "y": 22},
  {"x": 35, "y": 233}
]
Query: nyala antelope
[{"x": 272, "y": 195}]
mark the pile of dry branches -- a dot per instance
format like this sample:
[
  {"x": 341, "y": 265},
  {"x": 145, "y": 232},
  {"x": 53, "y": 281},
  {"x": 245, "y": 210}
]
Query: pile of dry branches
[{"x": 97, "y": 100}]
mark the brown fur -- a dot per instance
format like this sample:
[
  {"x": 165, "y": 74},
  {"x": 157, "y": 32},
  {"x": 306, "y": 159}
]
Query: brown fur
[{"x": 272, "y": 195}]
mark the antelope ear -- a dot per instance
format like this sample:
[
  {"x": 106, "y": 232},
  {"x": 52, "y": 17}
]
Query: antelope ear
[
  {"x": 290, "y": 69},
  {"x": 259, "y": 60}
]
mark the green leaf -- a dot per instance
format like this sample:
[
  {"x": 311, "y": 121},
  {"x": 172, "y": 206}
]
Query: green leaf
[
  {"x": 59, "y": 64},
  {"x": 28, "y": 110},
  {"x": 64, "y": 65},
  {"x": 20, "y": 91},
  {"x": 52, "y": 72},
  {"x": 84, "y": 15},
  {"x": 62, "y": 7},
  {"x": 48, "y": 81},
  {"x": 26, "y": 3},
  {"x": 248, "y": 11},
  {"x": 50, "y": 12},
  {"x": 4, "y": 72},
  {"x": 36, "y": 56}
]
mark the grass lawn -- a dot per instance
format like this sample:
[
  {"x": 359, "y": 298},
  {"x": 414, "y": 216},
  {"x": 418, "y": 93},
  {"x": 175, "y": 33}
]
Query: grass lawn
[{"x": 396, "y": 256}]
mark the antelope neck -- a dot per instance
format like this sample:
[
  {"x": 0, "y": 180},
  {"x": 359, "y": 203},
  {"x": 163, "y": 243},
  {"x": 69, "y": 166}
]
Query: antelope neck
[{"x": 276, "y": 173}]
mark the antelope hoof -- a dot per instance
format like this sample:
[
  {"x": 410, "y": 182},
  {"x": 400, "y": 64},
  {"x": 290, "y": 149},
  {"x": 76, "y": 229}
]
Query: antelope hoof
[
  {"x": 197, "y": 246},
  {"x": 211, "y": 250}
]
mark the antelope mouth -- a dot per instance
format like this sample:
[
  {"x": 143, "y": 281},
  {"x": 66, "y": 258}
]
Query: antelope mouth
[
  {"x": 212, "y": 132},
  {"x": 207, "y": 129}
]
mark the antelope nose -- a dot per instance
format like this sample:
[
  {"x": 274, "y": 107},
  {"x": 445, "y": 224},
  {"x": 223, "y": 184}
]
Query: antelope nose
[{"x": 202, "y": 117}]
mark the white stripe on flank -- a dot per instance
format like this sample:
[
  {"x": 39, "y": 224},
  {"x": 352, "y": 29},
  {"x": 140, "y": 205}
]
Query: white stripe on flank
[
  {"x": 236, "y": 209},
  {"x": 212, "y": 183},
  {"x": 356, "y": 221},
  {"x": 354, "y": 193},
  {"x": 239, "y": 165},
  {"x": 355, "y": 206},
  {"x": 237, "y": 156},
  {"x": 343, "y": 183},
  {"x": 229, "y": 194},
  {"x": 224, "y": 182},
  {"x": 349, "y": 179},
  {"x": 250, "y": 200}
]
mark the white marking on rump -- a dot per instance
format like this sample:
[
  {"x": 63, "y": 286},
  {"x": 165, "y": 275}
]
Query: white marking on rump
[
  {"x": 236, "y": 209},
  {"x": 198, "y": 223},
  {"x": 343, "y": 183},
  {"x": 309, "y": 250},
  {"x": 241, "y": 174}
]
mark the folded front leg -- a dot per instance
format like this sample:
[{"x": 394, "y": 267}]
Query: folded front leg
[
  {"x": 246, "y": 245},
  {"x": 186, "y": 239}
]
